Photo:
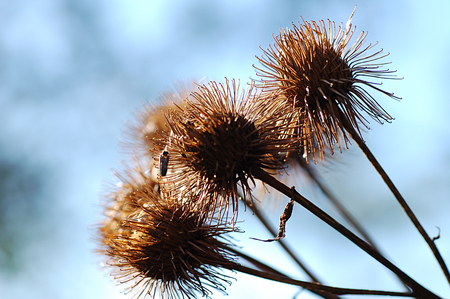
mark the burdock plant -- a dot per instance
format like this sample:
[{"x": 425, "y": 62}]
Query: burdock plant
[
  {"x": 219, "y": 139},
  {"x": 167, "y": 234},
  {"x": 157, "y": 246},
  {"x": 324, "y": 80},
  {"x": 162, "y": 249},
  {"x": 322, "y": 77},
  {"x": 150, "y": 119}
]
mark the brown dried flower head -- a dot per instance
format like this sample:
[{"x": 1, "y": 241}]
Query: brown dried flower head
[
  {"x": 119, "y": 203},
  {"x": 216, "y": 141},
  {"x": 163, "y": 250},
  {"x": 323, "y": 81},
  {"x": 150, "y": 119}
]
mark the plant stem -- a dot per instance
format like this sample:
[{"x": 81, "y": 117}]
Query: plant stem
[
  {"x": 339, "y": 206},
  {"x": 266, "y": 268},
  {"x": 283, "y": 244},
  {"x": 315, "y": 286},
  {"x": 365, "y": 149},
  {"x": 291, "y": 193},
  {"x": 342, "y": 210}
]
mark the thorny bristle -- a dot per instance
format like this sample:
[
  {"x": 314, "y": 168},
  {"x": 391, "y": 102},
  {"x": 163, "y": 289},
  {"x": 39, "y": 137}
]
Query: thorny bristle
[
  {"x": 118, "y": 203},
  {"x": 321, "y": 79},
  {"x": 216, "y": 141},
  {"x": 150, "y": 119},
  {"x": 165, "y": 249}
]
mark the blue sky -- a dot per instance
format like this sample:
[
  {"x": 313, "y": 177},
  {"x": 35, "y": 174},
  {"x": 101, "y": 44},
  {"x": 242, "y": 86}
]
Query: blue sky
[{"x": 73, "y": 73}]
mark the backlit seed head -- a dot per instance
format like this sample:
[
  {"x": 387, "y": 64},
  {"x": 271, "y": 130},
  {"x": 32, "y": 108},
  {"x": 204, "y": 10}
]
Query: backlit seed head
[
  {"x": 216, "y": 141},
  {"x": 322, "y": 79},
  {"x": 118, "y": 203},
  {"x": 164, "y": 250},
  {"x": 150, "y": 119}
]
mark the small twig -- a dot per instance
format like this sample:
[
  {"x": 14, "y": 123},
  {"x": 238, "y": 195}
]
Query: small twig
[
  {"x": 438, "y": 235},
  {"x": 283, "y": 219},
  {"x": 282, "y": 243}
]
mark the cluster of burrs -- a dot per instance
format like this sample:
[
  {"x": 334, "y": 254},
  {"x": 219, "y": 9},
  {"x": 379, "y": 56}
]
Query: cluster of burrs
[{"x": 198, "y": 154}]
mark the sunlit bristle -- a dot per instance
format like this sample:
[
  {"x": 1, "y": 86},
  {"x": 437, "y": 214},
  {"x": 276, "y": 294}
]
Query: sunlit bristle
[
  {"x": 218, "y": 138},
  {"x": 321, "y": 77}
]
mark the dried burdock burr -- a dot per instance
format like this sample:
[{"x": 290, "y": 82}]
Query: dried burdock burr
[
  {"x": 323, "y": 78},
  {"x": 166, "y": 235},
  {"x": 221, "y": 135},
  {"x": 118, "y": 201},
  {"x": 150, "y": 119},
  {"x": 163, "y": 249}
]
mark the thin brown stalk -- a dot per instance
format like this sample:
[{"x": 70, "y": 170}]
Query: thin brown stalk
[
  {"x": 281, "y": 187},
  {"x": 339, "y": 206},
  {"x": 315, "y": 286},
  {"x": 267, "y": 268},
  {"x": 265, "y": 222},
  {"x": 365, "y": 149}
]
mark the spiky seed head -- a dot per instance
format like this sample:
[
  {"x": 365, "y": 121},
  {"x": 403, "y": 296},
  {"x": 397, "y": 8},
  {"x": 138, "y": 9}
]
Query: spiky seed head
[
  {"x": 216, "y": 141},
  {"x": 323, "y": 80},
  {"x": 118, "y": 200},
  {"x": 163, "y": 250},
  {"x": 150, "y": 119}
]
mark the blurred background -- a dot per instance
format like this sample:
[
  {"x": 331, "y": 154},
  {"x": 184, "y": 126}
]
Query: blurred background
[{"x": 72, "y": 74}]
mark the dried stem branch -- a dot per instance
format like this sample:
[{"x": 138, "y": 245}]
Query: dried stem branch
[
  {"x": 269, "y": 269},
  {"x": 281, "y": 187},
  {"x": 339, "y": 206},
  {"x": 315, "y": 286},
  {"x": 365, "y": 149},
  {"x": 259, "y": 214}
]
